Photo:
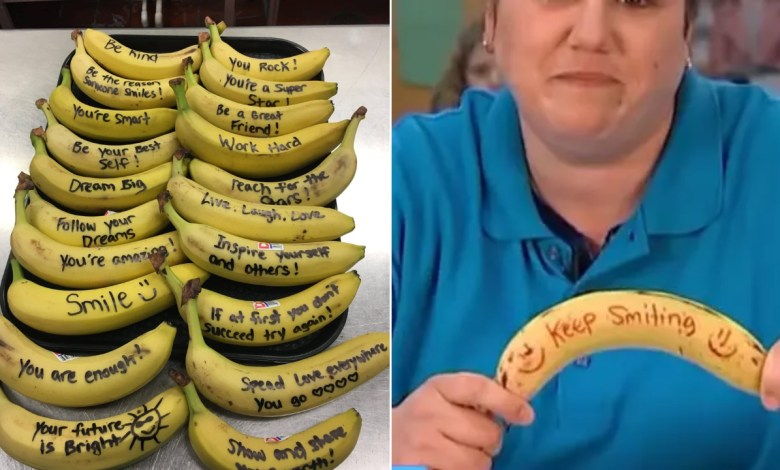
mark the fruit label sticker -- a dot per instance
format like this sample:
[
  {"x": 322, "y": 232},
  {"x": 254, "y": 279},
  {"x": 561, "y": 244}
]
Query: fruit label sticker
[
  {"x": 268, "y": 304},
  {"x": 64, "y": 357},
  {"x": 276, "y": 439},
  {"x": 270, "y": 246},
  {"x": 109, "y": 212}
]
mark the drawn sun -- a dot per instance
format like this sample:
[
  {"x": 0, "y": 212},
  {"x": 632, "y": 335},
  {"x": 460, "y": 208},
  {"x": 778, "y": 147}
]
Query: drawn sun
[{"x": 147, "y": 425}]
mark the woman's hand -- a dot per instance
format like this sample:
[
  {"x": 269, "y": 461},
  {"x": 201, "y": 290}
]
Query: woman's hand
[{"x": 448, "y": 422}]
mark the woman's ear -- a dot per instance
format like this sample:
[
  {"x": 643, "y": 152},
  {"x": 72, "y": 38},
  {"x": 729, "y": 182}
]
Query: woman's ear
[{"x": 490, "y": 26}]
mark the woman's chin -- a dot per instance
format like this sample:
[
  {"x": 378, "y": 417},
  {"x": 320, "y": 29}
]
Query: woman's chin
[{"x": 579, "y": 123}]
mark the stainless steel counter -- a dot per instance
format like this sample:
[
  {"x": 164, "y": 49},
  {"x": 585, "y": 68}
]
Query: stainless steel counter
[{"x": 360, "y": 62}]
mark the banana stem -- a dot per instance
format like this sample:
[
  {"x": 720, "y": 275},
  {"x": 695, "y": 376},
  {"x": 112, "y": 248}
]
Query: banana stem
[
  {"x": 177, "y": 169},
  {"x": 193, "y": 400},
  {"x": 21, "y": 214},
  {"x": 204, "y": 48},
  {"x": 190, "y": 76},
  {"x": 193, "y": 322},
  {"x": 65, "y": 77},
  {"x": 348, "y": 142},
  {"x": 214, "y": 31},
  {"x": 174, "y": 216},
  {"x": 39, "y": 144},
  {"x": 50, "y": 118},
  {"x": 17, "y": 270},
  {"x": 173, "y": 281},
  {"x": 181, "y": 95}
]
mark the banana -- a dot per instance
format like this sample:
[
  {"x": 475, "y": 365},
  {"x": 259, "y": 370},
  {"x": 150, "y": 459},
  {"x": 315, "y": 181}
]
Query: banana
[
  {"x": 233, "y": 321},
  {"x": 255, "y": 92},
  {"x": 258, "y": 262},
  {"x": 300, "y": 67},
  {"x": 107, "y": 124},
  {"x": 42, "y": 375},
  {"x": 247, "y": 156},
  {"x": 318, "y": 187},
  {"x": 93, "y": 195},
  {"x": 284, "y": 389},
  {"x": 222, "y": 447},
  {"x": 117, "y": 228},
  {"x": 114, "y": 91},
  {"x": 110, "y": 443},
  {"x": 84, "y": 268},
  {"x": 607, "y": 320},
  {"x": 250, "y": 219},
  {"x": 137, "y": 65},
  {"x": 87, "y": 158},
  {"x": 247, "y": 120},
  {"x": 86, "y": 312}
]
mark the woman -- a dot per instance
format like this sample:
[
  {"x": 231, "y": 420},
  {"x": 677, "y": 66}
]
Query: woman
[
  {"x": 470, "y": 66},
  {"x": 605, "y": 163}
]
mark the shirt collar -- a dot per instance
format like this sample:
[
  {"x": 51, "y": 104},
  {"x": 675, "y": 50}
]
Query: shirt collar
[{"x": 683, "y": 195}]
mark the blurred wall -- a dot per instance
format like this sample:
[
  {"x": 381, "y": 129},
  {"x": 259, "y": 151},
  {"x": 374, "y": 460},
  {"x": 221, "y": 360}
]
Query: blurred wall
[{"x": 409, "y": 97}]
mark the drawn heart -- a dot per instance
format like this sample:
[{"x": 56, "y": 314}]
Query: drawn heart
[
  {"x": 341, "y": 383},
  {"x": 353, "y": 377},
  {"x": 327, "y": 389},
  {"x": 317, "y": 392}
]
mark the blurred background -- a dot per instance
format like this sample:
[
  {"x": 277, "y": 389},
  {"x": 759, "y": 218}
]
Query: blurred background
[
  {"x": 437, "y": 48},
  {"x": 182, "y": 13}
]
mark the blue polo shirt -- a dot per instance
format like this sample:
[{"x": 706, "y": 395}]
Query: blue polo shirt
[{"x": 473, "y": 261}]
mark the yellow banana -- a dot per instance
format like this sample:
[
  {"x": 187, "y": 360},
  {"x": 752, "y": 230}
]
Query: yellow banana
[
  {"x": 129, "y": 63},
  {"x": 114, "y": 91},
  {"x": 84, "y": 268},
  {"x": 318, "y": 187},
  {"x": 93, "y": 195},
  {"x": 87, "y": 158},
  {"x": 252, "y": 156},
  {"x": 117, "y": 228},
  {"x": 107, "y": 124},
  {"x": 253, "y": 91},
  {"x": 284, "y": 389},
  {"x": 221, "y": 447},
  {"x": 607, "y": 320},
  {"x": 300, "y": 67},
  {"x": 86, "y": 312},
  {"x": 42, "y": 375},
  {"x": 105, "y": 444},
  {"x": 233, "y": 321},
  {"x": 259, "y": 262},
  {"x": 250, "y": 219},
  {"x": 247, "y": 120}
]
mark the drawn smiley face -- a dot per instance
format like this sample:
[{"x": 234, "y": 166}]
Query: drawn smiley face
[
  {"x": 527, "y": 359},
  {"x": 720, "y": 344},
  {"x": 146, "y": 425}
]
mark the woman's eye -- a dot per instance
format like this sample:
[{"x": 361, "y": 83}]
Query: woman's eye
[{"x": 636, "y": 3}]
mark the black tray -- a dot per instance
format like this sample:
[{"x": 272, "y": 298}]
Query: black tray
[{"x": 100, "y": 343}]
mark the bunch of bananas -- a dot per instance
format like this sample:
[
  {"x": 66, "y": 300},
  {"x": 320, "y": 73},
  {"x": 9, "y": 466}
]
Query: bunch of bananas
[{"x": 131, "y": 205}]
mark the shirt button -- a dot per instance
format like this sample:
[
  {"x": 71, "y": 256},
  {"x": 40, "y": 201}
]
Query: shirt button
[{"x": 583, "y": 362}]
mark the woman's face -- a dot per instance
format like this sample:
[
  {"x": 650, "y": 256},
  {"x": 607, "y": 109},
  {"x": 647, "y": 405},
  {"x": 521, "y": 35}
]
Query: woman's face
[{"x": 590, "y": 68}]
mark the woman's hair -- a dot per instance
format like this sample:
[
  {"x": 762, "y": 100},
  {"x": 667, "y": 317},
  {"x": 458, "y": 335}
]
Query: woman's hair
[{"x": 447, "y": 91}]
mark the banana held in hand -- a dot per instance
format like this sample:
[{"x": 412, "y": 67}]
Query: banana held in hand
[
  {"x": 87, "y": 158},
  {"x": 260, "y": 263},
  {"x": 111, "y": 443},
  {"x": 233, "y": 321},
  {"x": 607, "y": 320},
  {"x": 86, "y": 312},
  {"x": 318, "y": 187},
  {"x": 84, "y": 268},
  {"x": 247, "y": 120},
  {"x": 252, "y": 156},
  {"x": 250, "y": 219},
  {"x": 42, "y": 375},
  {"x": 285, "y": 389},
  {"x": 93, "y": 195},
  {"x": 117, "y": 228},
  {"x": 221, "y": 447},
  {"x": 253, "y": 91},
  {"x": 300, "y": 67},
  {"x": 138, "y": 65},
  {"x": 107, "y": 124},
  {"x": 113, "y": 91}
]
